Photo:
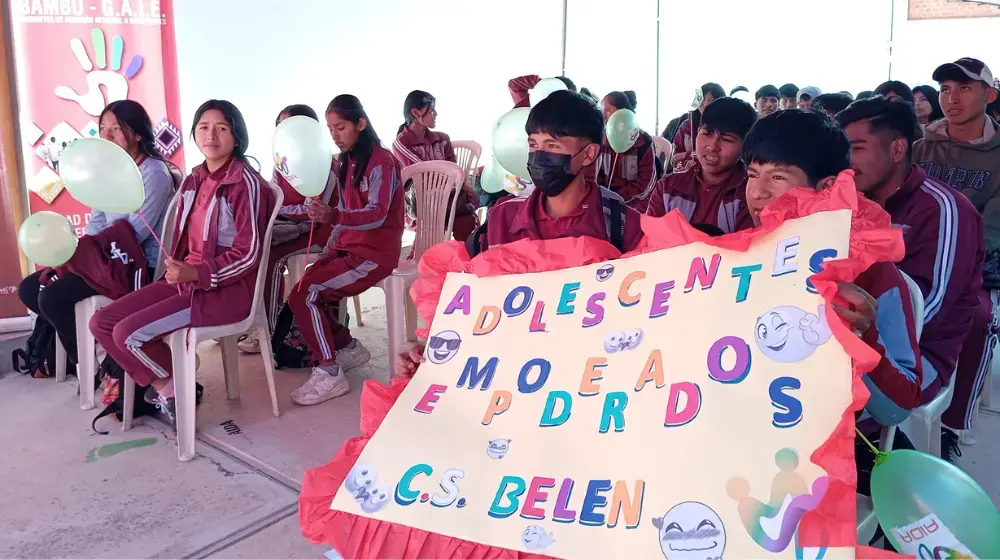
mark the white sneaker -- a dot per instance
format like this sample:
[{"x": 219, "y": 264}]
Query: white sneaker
[
  {"x": 249, "y": 344},
  {"x": 353, "y": 355},
  {"x": 322, "y": 387}
]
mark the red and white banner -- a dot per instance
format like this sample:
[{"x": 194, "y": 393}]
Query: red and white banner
[{"x": 72, "y": 58}]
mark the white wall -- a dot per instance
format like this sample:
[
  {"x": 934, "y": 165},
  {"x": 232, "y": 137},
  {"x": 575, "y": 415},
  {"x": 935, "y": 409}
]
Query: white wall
[
  {"x": 262, "y": 58},
  {"x": 464, "y": 51},
  {"x": 920, "y": 46}
]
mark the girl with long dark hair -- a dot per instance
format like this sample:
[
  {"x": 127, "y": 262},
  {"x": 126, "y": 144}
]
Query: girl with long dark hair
[
  {"x": 416, "y": 142},
  {"x": 363, "y": 248},
  {"x": 926, "y": 104},
  {"x": 125, "y": 123},
  {"x": 290, "y": 235},
  {"x": 632, "y": 174},
  {"x": 211, "y": 274}
]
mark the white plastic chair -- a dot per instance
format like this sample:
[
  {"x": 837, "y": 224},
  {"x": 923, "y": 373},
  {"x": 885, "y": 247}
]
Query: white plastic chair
[
  {"x": 434, "y": 182},
  {"x": 184, "y": 344},
  {"x": 86, "y": 345},
  {"x": 663, "y": 147},
  {"x": 924, "y": 423},
  {"x": 467, "y": 153}
]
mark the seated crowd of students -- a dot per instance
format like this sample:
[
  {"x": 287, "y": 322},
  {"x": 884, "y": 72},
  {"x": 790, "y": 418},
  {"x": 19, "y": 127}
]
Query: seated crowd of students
[{"x": 931, "y": 160}]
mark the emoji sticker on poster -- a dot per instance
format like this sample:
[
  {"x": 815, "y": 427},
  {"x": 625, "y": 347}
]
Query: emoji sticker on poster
[
  {"x": 443, "y": 346},
  {"x": 788, "y": 334},
  {"x": 537, "y": 538},
  {"x": 605, "y": 272},
  {"x": 497, "y": 448},
  {"x": 691, "y": 531}
]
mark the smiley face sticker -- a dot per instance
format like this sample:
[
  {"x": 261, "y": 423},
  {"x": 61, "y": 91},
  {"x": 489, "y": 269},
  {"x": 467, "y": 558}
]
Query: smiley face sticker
[{"x": 443, "y": 346}]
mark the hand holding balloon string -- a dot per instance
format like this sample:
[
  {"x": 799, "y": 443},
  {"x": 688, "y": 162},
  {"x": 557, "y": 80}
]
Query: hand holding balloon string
[{"x": 317, "y": 210}]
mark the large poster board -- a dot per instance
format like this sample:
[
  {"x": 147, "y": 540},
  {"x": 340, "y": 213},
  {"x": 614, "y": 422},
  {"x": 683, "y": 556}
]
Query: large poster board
[{"x": 667, "y": 404}]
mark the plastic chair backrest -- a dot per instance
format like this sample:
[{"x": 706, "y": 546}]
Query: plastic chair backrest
[
  {"x": 467, "y": 153},
  {"x": 663, "y": 146},
  {"x": 434, "y": 183},
  {"x": 167, "y": 235},
  {"x": 917, "y": 299},
  {"x": 258, "y": 292}
]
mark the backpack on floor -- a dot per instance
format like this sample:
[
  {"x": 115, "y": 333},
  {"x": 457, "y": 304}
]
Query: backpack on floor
[
  {"x": 39, "y": 353},
  {"x": 290, "y": 349},
  {"x": 111, "y": 375}
]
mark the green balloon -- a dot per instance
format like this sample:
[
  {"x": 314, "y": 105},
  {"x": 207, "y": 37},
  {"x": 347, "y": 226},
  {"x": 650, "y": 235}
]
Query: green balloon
[
  {"x": 622, "y": 130},
  {"x": 101, "y": 175},
  {"x": 492, "y": 178},
  {"x": 47, "y": 238},
  {"x": 920, "y": 500}
]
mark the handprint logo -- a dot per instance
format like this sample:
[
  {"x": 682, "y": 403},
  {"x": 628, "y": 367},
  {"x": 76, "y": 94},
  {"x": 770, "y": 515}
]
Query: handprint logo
[{"x": 115, "y": 84}]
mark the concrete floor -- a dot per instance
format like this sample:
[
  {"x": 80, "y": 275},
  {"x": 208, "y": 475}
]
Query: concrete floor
[{"x": 69, "y": 492}]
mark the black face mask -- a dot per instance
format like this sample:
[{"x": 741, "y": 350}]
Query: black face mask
[{"x": 551, "y": 172}]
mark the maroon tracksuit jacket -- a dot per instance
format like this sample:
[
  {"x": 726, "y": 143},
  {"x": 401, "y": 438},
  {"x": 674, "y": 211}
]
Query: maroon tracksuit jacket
[
  {"x": 634, "y": 174},
  {"x": 519, "y": 88},
  {"x": 944, "y": 256},
  {"x": 111, "y": 261},
  {"x": 236, "y": 219},
  {"x": 368, "y": 218},
  {"x": 515, "y": 218},
  {"x": 723, "y": 205}
]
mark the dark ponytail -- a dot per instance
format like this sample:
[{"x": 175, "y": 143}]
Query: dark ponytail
[
  {"x": 133, "y": 116},
  {"x": 621, "y": 99},
  {"x": 349, "y": 108},
  {"x": 416, "y": 99}
]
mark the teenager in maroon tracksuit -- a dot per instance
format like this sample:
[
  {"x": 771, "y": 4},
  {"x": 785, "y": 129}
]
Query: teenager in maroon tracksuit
[
  {"x": 632, "y": 173},
  {"x": 290, "y": 235},
  {"x": 684, "y": 148},
  {"x": 942, "y": 229},
  {"x": 127, "y": 124},
  {"x": 363, "y": 248},
  {"x": 713, "y": 190},
  {"x": 416, "y": 142},
  {"x": 211, "y": 272},
  {"x": 800, "y": 148}
]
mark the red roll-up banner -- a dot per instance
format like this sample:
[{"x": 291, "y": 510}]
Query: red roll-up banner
[{"x": 72, "y": 58}]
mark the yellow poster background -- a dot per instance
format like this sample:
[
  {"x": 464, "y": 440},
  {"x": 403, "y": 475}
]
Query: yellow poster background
[{"x": 732, "y": 437}]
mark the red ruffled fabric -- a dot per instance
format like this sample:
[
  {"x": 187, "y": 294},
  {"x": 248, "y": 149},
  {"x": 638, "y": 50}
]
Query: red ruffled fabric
[{"x": 831, "y": 524}]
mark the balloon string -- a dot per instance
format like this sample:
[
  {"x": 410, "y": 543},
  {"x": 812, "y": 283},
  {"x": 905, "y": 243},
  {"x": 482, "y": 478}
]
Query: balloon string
[
  {"x": 158, "y": 242},
  {"x": 308, "y": 248},
  {"x": 880, "y": 456},
  {"x": 611, "y": 174}
]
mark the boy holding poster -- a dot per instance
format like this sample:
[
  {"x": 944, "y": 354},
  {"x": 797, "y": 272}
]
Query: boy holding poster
[
  {"x": 564, "y": 138},
  {"x": 805, "y": 148}
]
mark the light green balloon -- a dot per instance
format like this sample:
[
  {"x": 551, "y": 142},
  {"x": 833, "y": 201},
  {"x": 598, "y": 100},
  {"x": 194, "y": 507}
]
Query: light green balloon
[
  {"x": 622, "y": 130},
  {"x": 47, "y": 238},
  {"x": 510, "y": 141},
  {"x": 492, "y": 177},
  {"x": 101, "y": 175},
  {"x": 911, "y": 485},
  {"x": 303, "y": 151}
]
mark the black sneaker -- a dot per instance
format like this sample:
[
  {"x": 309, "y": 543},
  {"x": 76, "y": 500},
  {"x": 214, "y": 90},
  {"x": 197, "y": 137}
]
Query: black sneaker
[
  {"x": 167, "y": 406},
  {"x": 151, "y": 396},
  {"x": 950, "y": 450}
]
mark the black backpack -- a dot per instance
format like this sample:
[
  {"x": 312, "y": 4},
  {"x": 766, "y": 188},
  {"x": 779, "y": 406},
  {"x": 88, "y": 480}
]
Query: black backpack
[
  {"x": 614, "y": 224},
  {"x": 290, "y": 349},
  {"x": 111, "y": 375},
  {"x": 39, "y": 354}
]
